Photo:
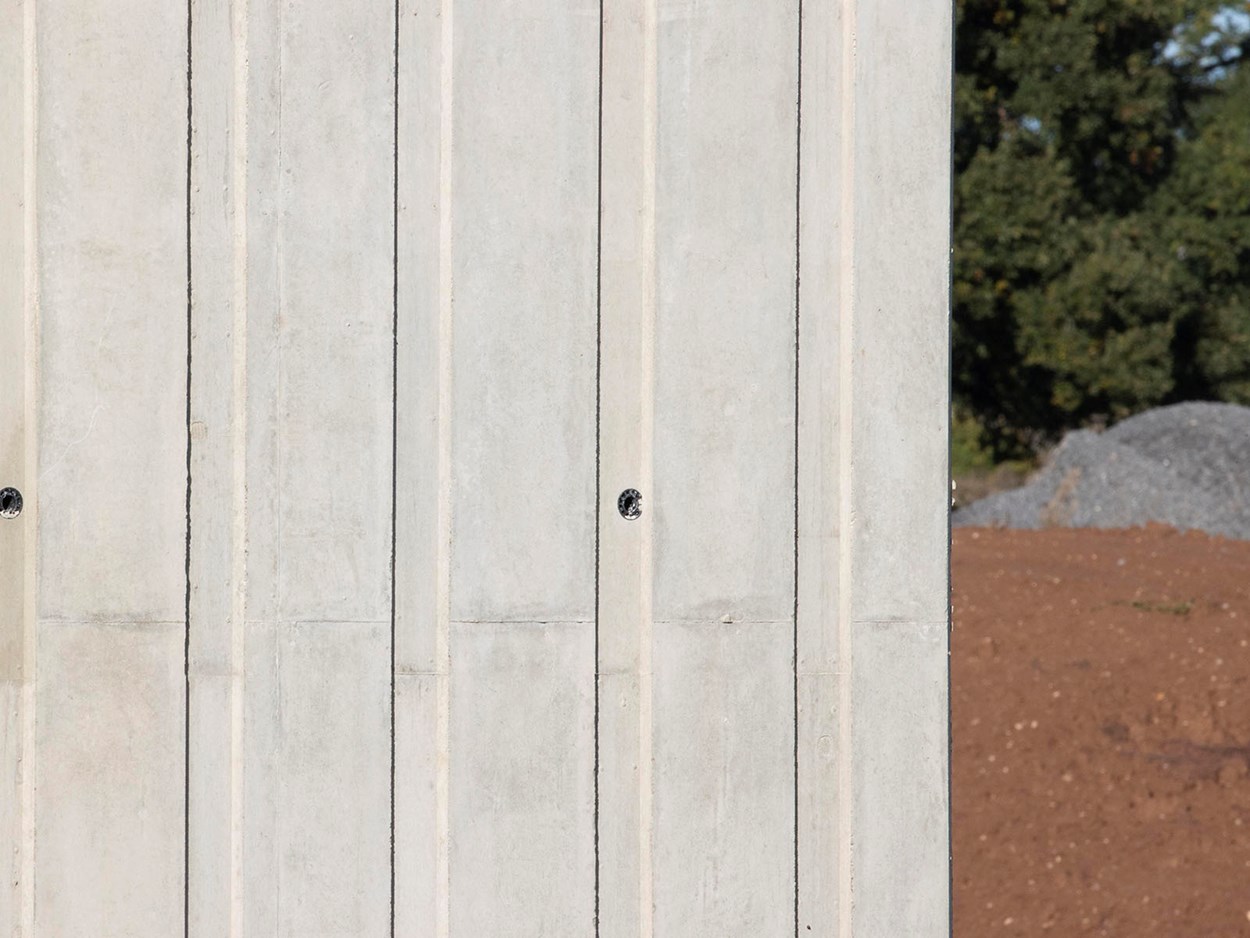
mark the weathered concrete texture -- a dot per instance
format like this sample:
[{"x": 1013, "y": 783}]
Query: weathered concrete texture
[
  {"x": 522, "y": 90},
  {"x": 495, "y": 604},
  {"x": 872, "y": 587},
  {"x": 107, "y": 825},
  {"x": 893, "y": 595},
  {"x": 460, "y": 273},
  {"x": 109, "y": 800},
  {"x": 289, "y": 633},
  {"x": 14, "y": 533},
  {"x": 723, "y": 470}
]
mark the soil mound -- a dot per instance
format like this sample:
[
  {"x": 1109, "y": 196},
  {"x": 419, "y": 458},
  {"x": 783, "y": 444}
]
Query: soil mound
[{"x": 1186, "y": 466}]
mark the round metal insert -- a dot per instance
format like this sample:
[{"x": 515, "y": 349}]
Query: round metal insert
[
  {"x": 629, "y": 504},
  {"x": 10, "y": 503}
]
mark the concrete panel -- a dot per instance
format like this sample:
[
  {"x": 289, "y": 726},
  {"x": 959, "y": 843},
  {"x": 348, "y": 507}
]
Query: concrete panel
[
  {"x": 475, "y": 268},
  {"x": 724, "y": 470},
  {"x": 111, "y": 197},
  {"x": 900, "y": 859},
  {"x": 522, "y": 779},
  {"x": 626, "y": 355},
  {"x": 334, "y": 319},
  {"x": 873, "y": 482},
  {"x": 15, "y": 91},
  {"x": 218, "y": 396},
  {"x": 318, "y": 415},
  {"x": 13, "y": 289},
  {"x": 292, "y": 403},
  {"x": 821, "y": 799},
  {"x": 423, "y": 339},
  {"x": 725, "y": 327},
  {"x": 625, "y": 857},
  {"x": 420, "y": 837},
  {"x": 898, "y": 290},
  {"x": 110, "y": 236},
  {"x": 819, "y": 796},
  {"x": 11, "y": 806},
  {"x": 211, "y": 832},
  {"x": 697, "y": 696},
  {"x": 332, "y": 776},
  {"x": 423, "y": 468},
  {"x": 315, "y": 780},
  {"x": 724, "y": 800},
  {"x": 496, "y": 463},
  {"x": 895, "y": 479},
  {"x": 524, "y": 93},
  {"x": 109, "y": 767}
]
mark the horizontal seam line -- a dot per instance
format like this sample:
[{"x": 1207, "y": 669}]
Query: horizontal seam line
[
  {"x": 911, "y": 622},
  {"x": 522, "y": 621},
  {"x": 112, "y": 621},
  {"x": 711, "y": 621},
  {"x": 277, "y": 621}
]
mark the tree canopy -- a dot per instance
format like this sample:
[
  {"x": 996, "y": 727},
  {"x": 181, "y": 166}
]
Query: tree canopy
[{"x": 1102, "y": 211}]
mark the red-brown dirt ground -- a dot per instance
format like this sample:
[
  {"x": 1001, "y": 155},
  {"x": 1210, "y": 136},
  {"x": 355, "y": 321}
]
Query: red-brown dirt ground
[{"x": 1101, "y": 733}]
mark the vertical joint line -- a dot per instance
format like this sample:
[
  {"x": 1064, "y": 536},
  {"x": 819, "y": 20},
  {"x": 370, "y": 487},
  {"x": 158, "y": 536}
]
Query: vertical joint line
[
  {"x": 186, "y": 638},
  {"x": 598, "y": 449},
  {"x": 798, "y": 199},
  {"x": 846, "y": 495},
  {"x": 950, "y": 241},
  {"x": 32, "y": 330},
  {"x": 394, "y": 434},
  {"x": 646, "y": 625},
  {"x": 442, "y": 642},
  {"x": 238, "y": 447}
]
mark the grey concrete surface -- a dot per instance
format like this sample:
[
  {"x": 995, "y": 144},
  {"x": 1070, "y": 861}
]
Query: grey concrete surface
[
  {"x": 894, "y": 371},
  {"x": 106, "y": 824},
  {"x": 384, "y": 658},
  {"x": 722, "y": 485},
  {"x": 290, "y": 532},
  {"x": 14, "y": 427}
]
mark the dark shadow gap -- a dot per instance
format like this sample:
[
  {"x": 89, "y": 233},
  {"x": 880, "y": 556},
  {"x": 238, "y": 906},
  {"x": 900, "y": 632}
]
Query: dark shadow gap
[
  {"x": 794, "y": 661},
  {"x": 598, "y": 442},
  {"x": 394, "y": 428},
  {"x": 186, "y": 637}
]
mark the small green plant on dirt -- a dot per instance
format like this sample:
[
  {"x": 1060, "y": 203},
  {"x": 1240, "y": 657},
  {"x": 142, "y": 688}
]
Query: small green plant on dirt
[
  {"x": 973, "y": 467},
  {"x": 968, "y": 455},
  {"x": 1167, "y": 608}
]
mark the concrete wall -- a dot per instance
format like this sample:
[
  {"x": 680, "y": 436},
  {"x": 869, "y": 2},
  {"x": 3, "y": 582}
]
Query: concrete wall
[{"x": 335, "y": 330}]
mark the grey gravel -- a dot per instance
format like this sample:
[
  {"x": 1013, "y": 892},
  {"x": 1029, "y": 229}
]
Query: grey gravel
[{"x": 1187, "y": 466}]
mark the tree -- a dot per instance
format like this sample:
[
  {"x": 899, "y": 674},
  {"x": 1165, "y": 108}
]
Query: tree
[{"x": 1102, "y": 211}]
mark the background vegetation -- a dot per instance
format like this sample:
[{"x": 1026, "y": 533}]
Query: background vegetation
[{"x": 1102, "y": 214}]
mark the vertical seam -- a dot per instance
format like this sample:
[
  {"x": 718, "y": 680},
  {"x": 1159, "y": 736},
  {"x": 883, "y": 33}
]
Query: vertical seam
[
  {"x": 794, "y": 661},
  {"x": 646, "y": 624},
  {"x": 949, "y": 285},
  {"x": 186, "y": 638},
  {"x": 32, "y": 326},
  {"x": 598, "y": 448},
  {"x": 846, "y": 476},
  {"x": 446, "y": 338},
  {"x": 238, "y": 445},
  {"x": 394, "y": 434}
]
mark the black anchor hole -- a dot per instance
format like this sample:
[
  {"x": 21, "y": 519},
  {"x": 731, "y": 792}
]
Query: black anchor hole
[
  {"x": 10, "y": 503},
  {"x": 629, "y": 504}
]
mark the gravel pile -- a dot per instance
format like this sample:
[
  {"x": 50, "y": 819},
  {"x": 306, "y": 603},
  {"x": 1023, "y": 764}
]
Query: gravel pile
[{"x": 1187, "y": 466}]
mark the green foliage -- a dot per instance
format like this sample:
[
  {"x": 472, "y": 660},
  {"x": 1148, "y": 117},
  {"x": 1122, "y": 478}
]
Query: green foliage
[
  {"x": 968, "y": 452},
  {"x": 1102, "y": 211}
]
